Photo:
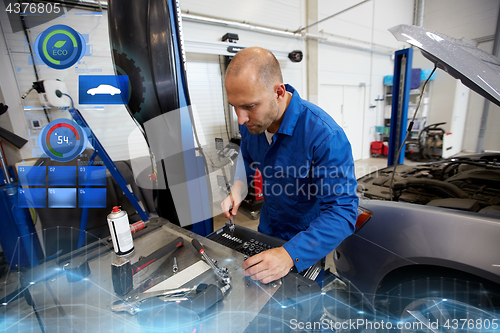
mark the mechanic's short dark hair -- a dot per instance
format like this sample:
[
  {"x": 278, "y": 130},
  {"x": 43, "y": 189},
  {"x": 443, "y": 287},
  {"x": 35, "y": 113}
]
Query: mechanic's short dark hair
[{"x": 268, "y": 67}]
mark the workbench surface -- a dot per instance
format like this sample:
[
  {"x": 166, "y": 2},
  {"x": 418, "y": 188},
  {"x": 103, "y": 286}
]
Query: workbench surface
[{"x": 85, "y": 305}]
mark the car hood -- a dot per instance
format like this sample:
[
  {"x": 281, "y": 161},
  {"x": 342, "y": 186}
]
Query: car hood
[{"x": 477, "y": 69}]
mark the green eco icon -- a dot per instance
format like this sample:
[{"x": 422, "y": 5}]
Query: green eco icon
[{"x": 60, "y": 44}]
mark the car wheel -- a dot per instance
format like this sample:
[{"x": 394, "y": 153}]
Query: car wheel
[{"x": 442, "y": 305}]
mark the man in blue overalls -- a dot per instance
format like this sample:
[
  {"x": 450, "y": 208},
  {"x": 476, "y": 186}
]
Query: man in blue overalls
[{"x": 306, "y": 164}]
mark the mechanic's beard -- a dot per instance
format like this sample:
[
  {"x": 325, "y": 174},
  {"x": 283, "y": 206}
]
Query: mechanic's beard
[
  {"x": 257, "y": 129},
  {"x": 269, "y": 119}
]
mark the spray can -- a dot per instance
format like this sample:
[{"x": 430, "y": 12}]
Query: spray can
[{"x": 119, "y": 229}]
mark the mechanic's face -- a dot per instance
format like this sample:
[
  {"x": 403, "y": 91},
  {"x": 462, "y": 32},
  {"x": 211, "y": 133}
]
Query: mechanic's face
[{"x": 253, "y": 102}]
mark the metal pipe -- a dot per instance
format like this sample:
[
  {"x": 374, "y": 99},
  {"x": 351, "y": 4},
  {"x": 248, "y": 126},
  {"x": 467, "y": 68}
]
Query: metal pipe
[
  {"x": 239, "y": 25},
  {"x": 419, "y": 13},
  {"x": 484, "y": 39},
  {"x": 486, "y": 107},
  {"x": 329, "y": 17},
  {"x": 326, "y": 41}
]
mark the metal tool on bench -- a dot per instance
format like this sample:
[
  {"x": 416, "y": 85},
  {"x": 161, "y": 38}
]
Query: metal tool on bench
[
  {"x": 131, "y": 303},
  {"x": 175, "y": 268},
  {"x": 231, "y": 224},
  {"x": 197, "y": 299},
  {"x": 122, "y": 271},
  {"x": 221, "y": 272},
  {"x": 312, "y": 272}
]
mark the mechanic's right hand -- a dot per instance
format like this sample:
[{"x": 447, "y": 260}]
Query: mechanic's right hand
[
  {"x": 234, "y": 199},
  {"x": 230, "y": 203}
]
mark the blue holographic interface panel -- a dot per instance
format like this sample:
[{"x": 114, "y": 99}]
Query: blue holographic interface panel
[
  {"x": 32, "y": 175},
  {"x": 62, "y": 191},
  {"x": 62, "y": 197},
  {"x": 32, "y": 197},
  {"x": 92, "y": 197},
  {"x": 62, "y": 175},
  {"x": 92, "y": 175}
]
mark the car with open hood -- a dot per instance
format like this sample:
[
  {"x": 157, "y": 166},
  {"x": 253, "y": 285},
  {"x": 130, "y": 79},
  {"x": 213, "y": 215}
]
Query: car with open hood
[{"x": 427, "y": 244}]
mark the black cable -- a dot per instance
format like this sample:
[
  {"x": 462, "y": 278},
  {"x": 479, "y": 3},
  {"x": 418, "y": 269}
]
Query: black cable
[
  {"x": 59, "y": 94},
  {"x": 222, "y": 68},
  {"x": 25, "y": 30},
  {"x": 183, "y": 80},
  {"x": 408, "y": 131}
]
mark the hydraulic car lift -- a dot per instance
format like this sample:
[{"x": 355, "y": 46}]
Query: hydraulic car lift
[{"x": 401, "y": 97}]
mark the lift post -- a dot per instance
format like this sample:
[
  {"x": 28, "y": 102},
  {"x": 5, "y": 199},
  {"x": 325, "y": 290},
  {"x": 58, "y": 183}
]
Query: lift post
[{"x": 400, "y": 100}]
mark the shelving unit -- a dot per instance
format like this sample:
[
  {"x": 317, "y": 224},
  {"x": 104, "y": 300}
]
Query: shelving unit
[
  {"x": 412, "y": 106},
  {"x": 420, "y": 120}
]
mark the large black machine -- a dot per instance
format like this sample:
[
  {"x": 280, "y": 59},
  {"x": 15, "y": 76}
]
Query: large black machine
[
  {"x": 146, "y": 44},
  {"x": 8, "y": 136},
  {"x": 429, "y": 144}
]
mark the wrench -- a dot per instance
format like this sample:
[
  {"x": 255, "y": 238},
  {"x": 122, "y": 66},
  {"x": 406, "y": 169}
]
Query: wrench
[{"x": 222, "y": 273}]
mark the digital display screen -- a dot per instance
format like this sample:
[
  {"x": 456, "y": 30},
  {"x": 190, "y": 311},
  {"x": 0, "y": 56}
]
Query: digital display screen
[
  {"x": 92, "y": 176},
  {"x": 92, "y": 197},
  {"x": 32, "y": 175},
  {"x": 62, "y": 175},
  {"x": 62, "y": 197}
]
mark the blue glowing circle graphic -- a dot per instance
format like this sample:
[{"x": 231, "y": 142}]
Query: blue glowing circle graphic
[
  {"x": 62, "y": 140},
  {"x": 60, "y": 46}
]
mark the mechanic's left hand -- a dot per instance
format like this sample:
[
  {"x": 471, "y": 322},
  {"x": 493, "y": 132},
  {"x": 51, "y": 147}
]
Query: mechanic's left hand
[{"x": 269, "y": 265}]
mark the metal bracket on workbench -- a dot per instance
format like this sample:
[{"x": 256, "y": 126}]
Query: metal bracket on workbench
[{"x": 294, "y": 289}]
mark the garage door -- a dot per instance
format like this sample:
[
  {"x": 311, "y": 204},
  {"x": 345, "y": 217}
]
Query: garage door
[{"x": 345, "y": 104}]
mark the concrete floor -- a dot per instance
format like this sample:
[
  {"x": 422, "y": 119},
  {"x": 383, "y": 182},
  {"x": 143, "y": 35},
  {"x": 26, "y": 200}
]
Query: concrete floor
[{"x": 362, "y": 167}]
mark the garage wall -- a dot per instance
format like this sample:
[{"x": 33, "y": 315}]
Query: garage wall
[
  {"x": 473, "y": 20},
  {"x": 474, "y": 114},
  {"x": 355, "y": 49},
  {"x": 353, "y": 62}
]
